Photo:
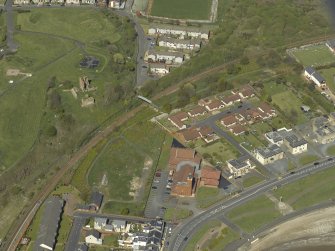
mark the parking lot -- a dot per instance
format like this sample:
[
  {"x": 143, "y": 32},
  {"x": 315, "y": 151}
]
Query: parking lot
[{"x": 159, "y": 194}]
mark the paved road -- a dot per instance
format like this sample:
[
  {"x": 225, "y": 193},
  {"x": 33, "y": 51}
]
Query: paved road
[
  {"x": 12, "y": 46},
  {"x": 183, "y": 232}
]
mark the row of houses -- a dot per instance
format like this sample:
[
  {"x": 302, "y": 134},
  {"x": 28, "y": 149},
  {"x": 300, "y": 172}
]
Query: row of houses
[
  {"x": 165, "y": 57},
  {"x": 235, "y": 122},
  {"x": 115, "y": 4},
  {"x": 179, "y": 44},
  {"x": 187, "y": 174},
  {"x": 209, "y": 105},
  {"x": 179, "y": 31}
]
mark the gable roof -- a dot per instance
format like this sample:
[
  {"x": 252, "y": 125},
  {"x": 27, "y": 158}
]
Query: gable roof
[
  {"x": 94, "y": 233},
  {"x": 96, "y": 199},
  {"x": 190, "y": 134},
  {"x": 229, "y": 120},
  {"x": 197, "y": 110},
  {"x": 209, "y": 172}
]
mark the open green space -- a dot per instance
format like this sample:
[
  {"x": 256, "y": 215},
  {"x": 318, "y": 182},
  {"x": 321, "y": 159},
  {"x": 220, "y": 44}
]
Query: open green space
[
  {"x": 207, "y": 196},
  {"x": 329, "y": 74},
  {"x": 186, "y": 9},
  {"x": 220, "y": 240},
  {"x": 307, "y": 159},
  {"x": 252, "y": 180},
  {"x": 331, "y": 150},
  {"x": 315, "y": 55},
  {"x": 175, "y": 213},
  {"x": 253, "y": 214},
  {"x": 201, "y": 231},
  {"x": 290, "y": 105},
  {"x": 218, "y": 151},
  {"x": 309, "y": 191}
]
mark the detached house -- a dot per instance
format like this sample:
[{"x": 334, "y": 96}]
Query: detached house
[
  {"x": 93, "y": 237},
  {"x": 214, "y": 105},
  {"x": 269, "y": 154},
  {"x": 239, "y": 167},
  {"x": 229, "y": 120},
  {"x": 295, "y": 145},
  {"x": 177, "y": 119},
  {"x": 311, "y": 74},
  {"x": 197, "y": 111},
  {"x": 231, "y": 99}
]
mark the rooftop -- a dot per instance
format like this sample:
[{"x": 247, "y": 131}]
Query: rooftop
[
  {"x": 239, "y": 162},
  {"x": 269, "y": 151},
  {"x": 294, "y": 141}
]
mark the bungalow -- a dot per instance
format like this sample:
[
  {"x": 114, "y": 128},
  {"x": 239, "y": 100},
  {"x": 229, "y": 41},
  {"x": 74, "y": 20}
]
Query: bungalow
[
  {"x": 331, "y": 45},
  {"x": 229, "y": 120},
  {"x": 165, "y": 57},
  {"x": 210, "y": 177},
  {"x": 246, "y": 92},
  {"x": 267, "y": 110},
  {"x": 239, "y": 167},
  {"x": 215, "y": 104},
  {"x": 159, "y": 69},
  {"x": 188, "y": 44},
  {"x": 207, "y": 134},
  {"x": 204, "y": 101},
  {"x": 311, "y": 74},
  {"x": 269, "y": 154},
  {"x": 231, "y": 99},
  {"x": 93, "y": 237},
  {"x": 197, "y": 111},
  {"x": 295, "y": 145},
  {"x": 238, "y": 129},
  {"x": 177, "y": 119},
  {"x": 190, "y": 134}
]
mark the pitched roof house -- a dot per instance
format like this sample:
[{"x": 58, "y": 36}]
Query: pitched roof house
[
  {"x": 229, "y": 100},
  {"x": 215, "y": 104},
  {"x": 93, "y": 237},
  {"x": 210, "y": 177},
  {"x": 197, "y": 111},
  {"x": 96, "y": 201},
  {"x": 229, "y": 120},
  {"x": 177, "y": 119}
]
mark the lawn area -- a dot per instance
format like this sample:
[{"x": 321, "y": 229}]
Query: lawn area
[
  {"x": 186, "y": 9},
  {"x": 71, "y": 23},
  {"x": 218, "y": 151},
  {"x": 252, "y": 180},
  {"x": 331, "y": 150},
  {"x": 254, "y": 214},
  {"x": 129, "y": 160},
  {"x": 165, "y": 153},
  {"x": 328, "y": 74},
  {"x": 290, "y": 105},
  {"x": 201, "y": 231},
  {"x": 172, "y": 214},
  {"x": 309, "y": 191},
  {"x": 219, "y": 242},
  {"x": 207, "y": 196},
  {"x": 307, "y": 159},
  {"x": 315, "y": 55}
]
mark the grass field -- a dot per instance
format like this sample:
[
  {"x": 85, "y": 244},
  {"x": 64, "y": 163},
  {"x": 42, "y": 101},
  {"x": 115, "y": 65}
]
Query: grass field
[
  {"x": 315, "y": 55},
  {"x": 254, "y": 214},
  {"x": 176, "y": 214},
  {"x": 218, "y": 151},
  {"x": 192, "y": 243},
  {"x": 331, "y": 150},
  {"x": 186, "y": 9},
  {"x": 329, "y": 74},
  {"x": 309, "y": 191},
  {"x": 290, "y": 105},
  {"x": 207, "y": 196},
  {"x": 250, "y": 181},
  {"x": 219, "y": 242},
  {"x": 307, "y": 159}
]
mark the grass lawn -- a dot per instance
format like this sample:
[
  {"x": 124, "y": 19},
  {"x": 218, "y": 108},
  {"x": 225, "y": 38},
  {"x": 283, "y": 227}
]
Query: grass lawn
[
  {"x": 207, "y": 196},
  {"x": 290, "y": 105},
  {"x": 218, "y": 151},
  {"x": 328, "y": 74},
  {"x": 315, "y": 55},
  {"x": 64, "y": 230},
  {"x": 201, "y": 231},
  {"x": 331, "y": 150},
  {"x": 165, "y": 153},
  {"x": 309, "y": 191},
  {"x": 307, "y": 159},
  {"x": 254, "y": 214},
  {"x": 250, "y": 181},
  {"x": 186, "y": 9},
  {"x": 69, "y": 22},
  {"x": 111, "y": 240},
  {"x": 172, "y": 214},
  {"x": 219, "y": 242}
]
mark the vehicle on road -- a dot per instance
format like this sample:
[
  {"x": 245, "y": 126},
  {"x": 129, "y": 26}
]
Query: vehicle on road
[
  {"x": 144, "y": 66},
  {"x": 154, "y": 187}
]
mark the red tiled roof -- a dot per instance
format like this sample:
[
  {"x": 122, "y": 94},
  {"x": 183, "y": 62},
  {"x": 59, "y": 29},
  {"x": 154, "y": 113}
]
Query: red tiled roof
[
  {"x": 215, "y": 104},
  {"x": 266, "y": 108},
  {"x": 190, "y": 134},
  {"x": 181, "y": 154},
  {"x": 238, "y": 129},
  {"x": 206, "y": 131},
  {"x": 229, "y": 120},
  {"x": 247, "y": 92},
  {"x": 210, "y": 182},
  {"x": 208, "y": 172},
  {"x": 183, "y": 174},
  {"x": 197, "y": 110},
  {"x": 231, "y": 98}
]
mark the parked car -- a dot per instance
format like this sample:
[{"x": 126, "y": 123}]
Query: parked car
[{"x": 154, "y": 187}]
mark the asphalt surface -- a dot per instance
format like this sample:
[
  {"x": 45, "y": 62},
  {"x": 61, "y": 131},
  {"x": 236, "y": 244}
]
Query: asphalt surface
[
  {"x": 12, "y": 46},
  {"x": 183, "y": 232}
]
